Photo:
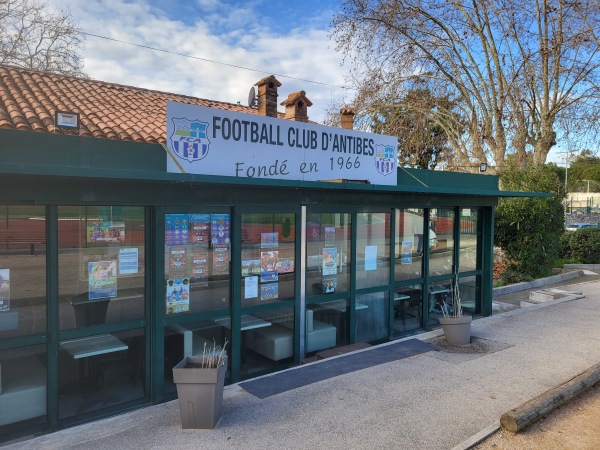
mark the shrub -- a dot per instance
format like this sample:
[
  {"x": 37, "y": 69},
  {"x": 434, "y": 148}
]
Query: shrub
[
  {"x": 529, "y": 229},
  {"x": 584, "y": 245}
]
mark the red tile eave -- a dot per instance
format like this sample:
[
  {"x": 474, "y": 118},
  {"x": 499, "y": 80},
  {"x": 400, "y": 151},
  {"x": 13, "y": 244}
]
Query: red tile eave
[{"x": 30, "y": 98}]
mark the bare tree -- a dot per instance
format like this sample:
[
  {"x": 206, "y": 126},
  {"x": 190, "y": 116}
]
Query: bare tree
[
  {"x": 33, "y": 36},
  {"x": 523, "y": 73}
]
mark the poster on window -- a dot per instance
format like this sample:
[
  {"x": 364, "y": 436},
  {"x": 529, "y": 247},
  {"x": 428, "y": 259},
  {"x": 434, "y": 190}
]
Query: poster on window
[
  {"x": 406, "y": 257},
  {"x": 330, "y": 261},
  {"x": 250, "y": 267},
  {"x": 220, "y": 259},
  {"x": 269, "y": 291},
  {"x": 199, "y": 263},
  {"x": 269, "y": 240},
  {"x": 329, "y": 236},
  {"x": 370, "y": 257},
  {"x": 250, "y": 287},
  {"x": 177, "y": 261},
  {"x": 329, "y": 285},
  {"x": 286, "y": 265},
  {"x": 105, "y": 232},
  {"x": 178, "y": 295},
  {"x": 4, "y": 290},
  {"x": 128, "y": 261},
  {"x": 176, "y": 229},
  {"x": 102, "y": 276},
  {"x": 199, "y": 229},
  {"x": 268, "y": 266},
  {"x": 220, "y": 226}
]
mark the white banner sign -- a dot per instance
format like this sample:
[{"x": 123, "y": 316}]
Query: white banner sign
[{"x": 219, "y": 142}]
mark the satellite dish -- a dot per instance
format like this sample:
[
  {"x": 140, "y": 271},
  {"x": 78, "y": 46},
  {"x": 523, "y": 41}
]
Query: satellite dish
[{"x": 252, "y": 98}]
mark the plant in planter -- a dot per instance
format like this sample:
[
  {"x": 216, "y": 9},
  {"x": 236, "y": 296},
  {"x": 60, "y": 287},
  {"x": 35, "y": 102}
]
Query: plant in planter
[
  {"x": 456, "y": 326},
  {"x": 200, "y": 381}
]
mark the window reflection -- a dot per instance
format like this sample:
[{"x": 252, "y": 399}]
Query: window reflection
[
  {"x": 373, "y": 250},
  {"x": 101, "y": 264},
  {"x": 268, "y": 258},
  {"x": 469, "y": 239},
  {"x": 22, "y": 270},
  {"x": 441, "y": 238},
  {"x": 328, "y": 239},
  {"x": 409, "y": 243},
  {"x": 408, "y": 308}
]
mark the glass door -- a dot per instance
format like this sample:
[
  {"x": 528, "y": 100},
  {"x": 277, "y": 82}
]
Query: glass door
[
  {"x": 267, "y": 321},
  {"x": 197, "y": 278},
  {"x": 101, "y": 309},
  {"x": 328, "y": 280},
  {"x": 372, "y": 276}
]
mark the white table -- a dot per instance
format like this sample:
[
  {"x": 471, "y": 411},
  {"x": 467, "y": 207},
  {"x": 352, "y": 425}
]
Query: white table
[
  {"x": 247, "y": 322},
  {"x": 93, "y": 345}
]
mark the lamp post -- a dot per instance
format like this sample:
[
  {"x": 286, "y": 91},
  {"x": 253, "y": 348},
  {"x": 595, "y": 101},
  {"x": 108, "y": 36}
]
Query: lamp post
[{"x": 588, "y": 186}]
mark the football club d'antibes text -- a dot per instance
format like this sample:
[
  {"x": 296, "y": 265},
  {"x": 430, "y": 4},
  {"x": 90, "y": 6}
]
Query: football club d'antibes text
[{"x": 292, "y": 137}]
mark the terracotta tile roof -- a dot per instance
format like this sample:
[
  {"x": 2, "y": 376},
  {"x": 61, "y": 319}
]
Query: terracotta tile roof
[{"x": 29, "y": 99}]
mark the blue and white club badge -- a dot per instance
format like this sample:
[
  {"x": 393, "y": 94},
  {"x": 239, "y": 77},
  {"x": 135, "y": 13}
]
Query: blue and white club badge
[
  {"x": 189, "y": 140},
  {"x": 385, "y": 159}
]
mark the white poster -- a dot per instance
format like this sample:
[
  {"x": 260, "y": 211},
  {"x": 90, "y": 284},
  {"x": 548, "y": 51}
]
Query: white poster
[
  {"x": 370, "y": 257},
  {"x": 251, "y": 287},
  {"x": 213, "y": 141},
  {"x": 128, "y": 261}
]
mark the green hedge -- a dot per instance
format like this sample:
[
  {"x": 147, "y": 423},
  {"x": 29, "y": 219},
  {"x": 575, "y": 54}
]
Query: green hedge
[{"x": 582, "y": 245}]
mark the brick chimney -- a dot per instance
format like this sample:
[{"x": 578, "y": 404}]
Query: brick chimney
[
  {"x": 347, "y": 118},
  {"x": 267, "y": 96},
  {"x": 296, "y": 106}
]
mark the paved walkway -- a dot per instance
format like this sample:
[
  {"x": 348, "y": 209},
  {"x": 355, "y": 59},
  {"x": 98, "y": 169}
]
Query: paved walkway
[{"x": 435, "y": 400}]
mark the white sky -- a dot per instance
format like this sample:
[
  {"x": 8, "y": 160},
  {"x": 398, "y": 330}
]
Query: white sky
[{"x": 276, "y": 37}]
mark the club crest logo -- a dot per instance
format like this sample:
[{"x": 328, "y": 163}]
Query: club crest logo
[
  {"x": 385, "y": 159},
  {"x": 189, "y": 140}
]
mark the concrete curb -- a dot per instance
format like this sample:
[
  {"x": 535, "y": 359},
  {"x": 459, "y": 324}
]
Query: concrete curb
[
  {"x": 479, "y": 437},
  {"x": 582, "y": 266},
  {"x": 511, "y": 288}
]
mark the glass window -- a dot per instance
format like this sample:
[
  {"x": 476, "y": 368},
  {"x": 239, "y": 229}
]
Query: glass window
[
  {"x": 440, "y": 293},
  {"x": 267, "y": 339},
  {"x": 328, "y": 238},
  {"x": 22, "y": 270},
  {"x": 468, "y": 239},
  {"x": 372, "y": 316},
  {"x": 23, "y": 370},
  {"x": 326, "y": 325},
  {"x": 373, "y": 250},
  {"x": 268, "y": 258},
  {"x": 197, "y": 262},
  {"x": 100, "y": 371},
  {"x": 409, "y": 244},
  {"x": 101, "y": 264},
  {"x": 441, "y": 238},
  {"x": 408, "y": 308},
  {"x": 469, "y": 295}
]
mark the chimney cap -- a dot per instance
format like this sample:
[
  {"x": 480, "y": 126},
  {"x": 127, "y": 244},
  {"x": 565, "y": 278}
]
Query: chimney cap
[
  {"x": 347, "y": 111},
  {"x": 265, "y": 80},
  {"x": 296, "y": 96}
]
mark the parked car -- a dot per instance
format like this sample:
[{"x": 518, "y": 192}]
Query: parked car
[{"x": 578, "y": 226}]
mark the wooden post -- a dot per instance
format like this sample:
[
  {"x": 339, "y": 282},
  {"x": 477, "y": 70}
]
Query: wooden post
[{"x": 521, "y": 417}]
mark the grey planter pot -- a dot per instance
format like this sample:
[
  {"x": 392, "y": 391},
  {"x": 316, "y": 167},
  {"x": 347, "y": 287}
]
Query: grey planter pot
[
  {"x": 200, "y": 393},
  {"x": 457, "y": 329}
]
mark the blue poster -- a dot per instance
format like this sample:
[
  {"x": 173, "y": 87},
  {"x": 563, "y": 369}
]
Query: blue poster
[
  {"x": 102, "y": 279},
  {"x": 220, "y": 227},
  {"x": 176, "y": 229}
]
